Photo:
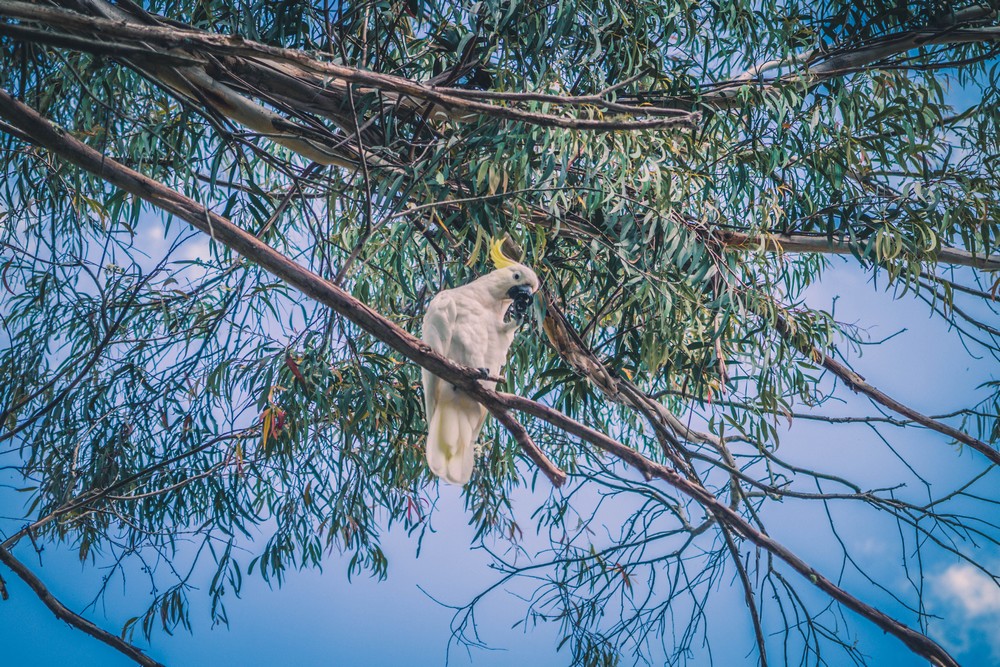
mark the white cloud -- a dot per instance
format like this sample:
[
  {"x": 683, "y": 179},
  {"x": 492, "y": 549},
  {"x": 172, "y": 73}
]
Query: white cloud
[
  {"x": 975, "y": 592},
  {"x": 969, "y": 611},
  {"x": 152, "y": 235},
  {"x": 196, "y": 248},
  {"x": 871, "y": 547}
]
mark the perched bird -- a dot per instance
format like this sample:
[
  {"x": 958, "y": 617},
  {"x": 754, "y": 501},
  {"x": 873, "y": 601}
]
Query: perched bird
[{"x": 472, "y": 325}]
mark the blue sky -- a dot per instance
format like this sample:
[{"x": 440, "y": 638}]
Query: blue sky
[{"x": 319, "y": 618}]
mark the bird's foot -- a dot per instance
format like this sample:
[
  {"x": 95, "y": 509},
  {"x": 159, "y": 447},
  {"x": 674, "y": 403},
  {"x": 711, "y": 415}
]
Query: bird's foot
[{"x": 484, "y": 373}]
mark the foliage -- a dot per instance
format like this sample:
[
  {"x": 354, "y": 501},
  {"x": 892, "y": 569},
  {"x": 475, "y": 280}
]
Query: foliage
[{"x": 161, "y": 386}]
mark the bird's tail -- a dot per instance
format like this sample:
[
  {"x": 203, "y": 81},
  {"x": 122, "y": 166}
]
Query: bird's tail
[{"x": 450, "y": 437}]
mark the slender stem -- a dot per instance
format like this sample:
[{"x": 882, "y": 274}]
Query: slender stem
[{"x": 758, "y": 630}]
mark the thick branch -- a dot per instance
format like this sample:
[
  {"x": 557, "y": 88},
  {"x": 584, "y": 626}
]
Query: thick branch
[
  {"x": 222, "y": 230},
  {"x": 169, "y": 38},
  {"x": 820, "y": 244},
  {"x": 176, "y": 57},
  {"x": 74, "y": 619},
  {"x": 67, "y": 147},
  {"x": 918, "y": 643}
]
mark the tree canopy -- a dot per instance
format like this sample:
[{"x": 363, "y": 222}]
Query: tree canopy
[{"x": 220, "y": 224}]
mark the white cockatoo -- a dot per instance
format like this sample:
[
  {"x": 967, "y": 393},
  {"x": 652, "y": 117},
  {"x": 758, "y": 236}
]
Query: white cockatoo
[{"x": 472, "y": 325}]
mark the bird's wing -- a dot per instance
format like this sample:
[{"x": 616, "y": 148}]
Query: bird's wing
[{"x": 439, "y": 324}]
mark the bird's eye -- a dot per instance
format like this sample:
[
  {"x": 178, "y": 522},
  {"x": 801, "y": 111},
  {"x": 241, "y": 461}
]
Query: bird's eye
[{"x": 517, "y": 276}]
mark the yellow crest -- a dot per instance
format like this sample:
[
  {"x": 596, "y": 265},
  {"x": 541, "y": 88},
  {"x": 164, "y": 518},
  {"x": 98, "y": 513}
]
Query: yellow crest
[{"x": 499, "y": 259}]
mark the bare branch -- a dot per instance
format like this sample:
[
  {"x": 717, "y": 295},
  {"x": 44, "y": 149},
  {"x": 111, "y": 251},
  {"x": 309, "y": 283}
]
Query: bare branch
[
  {"x": 917, "y": 642},
  {"x": 74, "y": 619},
  {"x": 748, "y": 595},
  {"x": 858, "y": 384}
]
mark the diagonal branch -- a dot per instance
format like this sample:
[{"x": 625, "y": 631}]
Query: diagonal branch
[
  {"x": 249, "y": 246},
  {"x": 917, "y": 642},
  {"x": 61, "y": 143},
  {"x": 748, "y": 594},
  {"x": 858, "y": 384},
  {"x": 514, "y": 427},
  {"x": 74, "y": 619}
]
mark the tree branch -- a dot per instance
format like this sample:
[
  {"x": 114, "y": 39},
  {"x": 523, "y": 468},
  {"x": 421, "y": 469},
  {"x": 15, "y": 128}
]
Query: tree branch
[
  {"x": 74, "y": 619},
  {"x": 858, "y": 384},
  {"x": 221, "y": 229},
  {"x": 177, "y": 57},
  {"x": 820, "y": 244},
  {"x": 93, "y": 495},
  {"x": 917, "y": 642},
  {"x": 748, "y": 594},
  {"x": 61, "y": 143},
  {"x": 173, "y": 38},
  {"x": 557, "y": 476},
  {"x": 816, "y": 66}
]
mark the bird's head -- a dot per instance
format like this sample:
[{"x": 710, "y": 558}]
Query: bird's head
[
  {"x": 517, "y": 281},
  {"x": 513, "y": 281}
]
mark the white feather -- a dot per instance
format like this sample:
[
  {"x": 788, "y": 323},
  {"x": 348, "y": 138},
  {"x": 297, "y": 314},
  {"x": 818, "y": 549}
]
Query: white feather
[{"x": 466, "y": 325}]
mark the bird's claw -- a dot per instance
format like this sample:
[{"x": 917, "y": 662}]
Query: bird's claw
[{"x": 484, "y": 374}]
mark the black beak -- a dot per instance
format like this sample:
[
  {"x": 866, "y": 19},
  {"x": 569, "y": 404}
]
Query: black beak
[
  {"x": 522, "y": 297},
  {"x": 519, "y": 293}
]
